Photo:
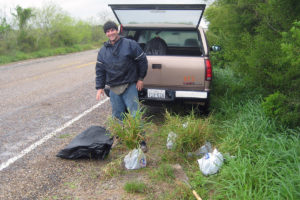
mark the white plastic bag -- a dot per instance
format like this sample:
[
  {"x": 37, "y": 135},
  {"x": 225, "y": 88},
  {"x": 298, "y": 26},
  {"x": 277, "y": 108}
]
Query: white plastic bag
[
  {"x": 135, "y": 159},
  {"x": 185, "y": 125},
  {"x": 171, "y": 140},
  {"x": 210, "y": 163}
]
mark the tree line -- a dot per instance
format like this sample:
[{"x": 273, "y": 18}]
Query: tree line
[
  {"x": 260, "y": 41},
  {"x": 33, "y": 30}
]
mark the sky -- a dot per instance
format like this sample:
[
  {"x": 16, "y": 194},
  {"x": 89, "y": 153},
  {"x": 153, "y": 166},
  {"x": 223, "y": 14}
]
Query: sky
[{"x": 84, "y": 9}]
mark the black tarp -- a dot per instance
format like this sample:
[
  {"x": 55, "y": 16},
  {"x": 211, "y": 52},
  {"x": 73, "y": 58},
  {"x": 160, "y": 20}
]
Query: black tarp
[{"x": 95, "y": 142}]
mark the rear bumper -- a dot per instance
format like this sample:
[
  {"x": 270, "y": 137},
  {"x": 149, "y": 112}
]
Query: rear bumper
[
  {"x": 168, "y": 95},
  {"x": 148, "y": 94}
]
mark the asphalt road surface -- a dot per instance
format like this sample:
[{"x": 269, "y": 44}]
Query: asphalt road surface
[{"x": 43, "y": 102}]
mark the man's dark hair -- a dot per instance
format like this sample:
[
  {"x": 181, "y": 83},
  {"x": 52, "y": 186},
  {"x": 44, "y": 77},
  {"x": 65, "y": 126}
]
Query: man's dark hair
[{"x": 109, "y": 25}]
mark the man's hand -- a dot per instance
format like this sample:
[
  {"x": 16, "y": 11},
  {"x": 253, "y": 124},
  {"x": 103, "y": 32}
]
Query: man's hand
[
  {"x": 139, "y": 85},
  {"x": 100, "y": 93}
]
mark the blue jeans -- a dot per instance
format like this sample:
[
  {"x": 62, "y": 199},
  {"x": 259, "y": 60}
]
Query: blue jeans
[{"x": 127, "y": 100}]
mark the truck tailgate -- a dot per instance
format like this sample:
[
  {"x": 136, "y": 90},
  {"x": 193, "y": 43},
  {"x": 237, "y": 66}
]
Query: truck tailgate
[{"x": 181, "y": 72}]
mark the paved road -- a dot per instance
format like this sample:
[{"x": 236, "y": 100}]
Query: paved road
[{"x": 38, "y": 96}]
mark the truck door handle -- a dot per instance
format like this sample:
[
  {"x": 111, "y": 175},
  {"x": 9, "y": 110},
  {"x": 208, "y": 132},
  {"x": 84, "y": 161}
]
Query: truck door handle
[{"x": 156, "y": 66}]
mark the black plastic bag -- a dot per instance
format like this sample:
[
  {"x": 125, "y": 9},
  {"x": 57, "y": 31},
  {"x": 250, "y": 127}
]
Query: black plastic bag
[{"x": 95, "y": 142}]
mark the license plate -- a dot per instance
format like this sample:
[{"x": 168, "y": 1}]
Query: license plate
[{"x": 157, "y": 94}]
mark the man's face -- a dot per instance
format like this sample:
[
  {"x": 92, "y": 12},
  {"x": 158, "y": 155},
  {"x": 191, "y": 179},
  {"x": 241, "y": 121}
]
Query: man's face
[{"x": 112, "y": 34}]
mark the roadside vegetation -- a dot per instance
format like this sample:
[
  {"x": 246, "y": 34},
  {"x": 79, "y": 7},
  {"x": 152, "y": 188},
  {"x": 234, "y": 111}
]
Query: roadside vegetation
[
  {"x": 261, "y": 155},
  {"x": 255, "y": 104},
  {"x": 33, "y": 33},
  {"x": 261, "y": 43}
]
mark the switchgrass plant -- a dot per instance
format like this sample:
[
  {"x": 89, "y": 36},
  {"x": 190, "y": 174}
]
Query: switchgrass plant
[
  {"x": 191, "y": 131},
  {"x": 132, "y": 130}
]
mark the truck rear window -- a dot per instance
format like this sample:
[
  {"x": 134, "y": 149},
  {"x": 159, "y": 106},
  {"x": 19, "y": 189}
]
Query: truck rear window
[
  {"x": 172, "y": 38},
  {"x": 167, "y": 42}
]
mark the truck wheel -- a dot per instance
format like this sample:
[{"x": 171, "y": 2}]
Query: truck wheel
[{"x": 206, "y": 107}]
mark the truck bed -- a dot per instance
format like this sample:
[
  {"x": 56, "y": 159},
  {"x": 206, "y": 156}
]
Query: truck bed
[{"x": 181, "y": 72}]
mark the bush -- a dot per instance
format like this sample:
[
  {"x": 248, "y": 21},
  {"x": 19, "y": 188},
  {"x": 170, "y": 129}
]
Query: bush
[
  {"x": 264, "y": 51},
  {"x": 280, "y": 107}
]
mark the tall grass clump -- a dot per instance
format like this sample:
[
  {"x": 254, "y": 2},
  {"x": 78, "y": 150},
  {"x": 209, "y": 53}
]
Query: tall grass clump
[
  {"x": 191, "y": 131},
  {"x": 262, "y": 156},
  {"x": 266, "y": 157},
  {"x": 131, "y": 130}
]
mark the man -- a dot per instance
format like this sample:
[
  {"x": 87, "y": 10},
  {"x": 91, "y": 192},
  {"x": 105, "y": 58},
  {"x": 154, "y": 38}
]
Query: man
[{"x": 122, "y": 65}]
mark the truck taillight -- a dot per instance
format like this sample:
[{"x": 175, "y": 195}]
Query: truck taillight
[{"x": 208, "y": 74}]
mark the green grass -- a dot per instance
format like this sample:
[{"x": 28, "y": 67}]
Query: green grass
[
  {"x": 261, "y": 156},
  {"x": 164, "y": 172},
  {"x": 70, "y": 185},
  {"x": 266, "y": 155},
  {"x": 18, "y": 55},
  {"x": 113, "y": 168},
  {"x": 64, "y": 136},
  {"x": 131, "y": 130},
  {"x": 191, "y": 131},
  {"x": 178, "y": 192},
  {"x": 135, "y": 187}
]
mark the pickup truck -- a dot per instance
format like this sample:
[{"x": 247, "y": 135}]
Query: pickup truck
[{"x": 176, "y": 47}]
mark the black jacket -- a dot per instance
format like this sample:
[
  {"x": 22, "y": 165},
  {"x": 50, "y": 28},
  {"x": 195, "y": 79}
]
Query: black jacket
[{"x": 121, "y": 63}]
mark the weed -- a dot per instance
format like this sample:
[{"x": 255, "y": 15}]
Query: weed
[
  {"x": 179, "y": 192},
  {"x": 135, "y": 187},
  {"x": 64, "y": 136},
  {"x": 71, "y": 185},
  {"x": 165, "y": 172},
  {"x": 113, "y": 168}
]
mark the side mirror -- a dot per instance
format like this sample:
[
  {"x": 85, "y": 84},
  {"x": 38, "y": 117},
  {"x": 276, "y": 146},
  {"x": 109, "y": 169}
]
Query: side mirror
[{"x": 215, "y": 48}]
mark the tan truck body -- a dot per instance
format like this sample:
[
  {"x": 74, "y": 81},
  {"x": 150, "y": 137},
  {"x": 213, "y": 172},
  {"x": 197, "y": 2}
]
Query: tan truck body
[{"x": 178, "y": 74}]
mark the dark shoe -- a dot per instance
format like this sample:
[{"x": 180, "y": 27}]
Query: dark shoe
[{"x": 143, "y": 146}]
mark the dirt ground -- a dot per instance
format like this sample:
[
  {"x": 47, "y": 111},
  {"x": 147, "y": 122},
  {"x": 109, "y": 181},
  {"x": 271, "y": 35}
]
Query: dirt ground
[{"x": 45, "y": 176}]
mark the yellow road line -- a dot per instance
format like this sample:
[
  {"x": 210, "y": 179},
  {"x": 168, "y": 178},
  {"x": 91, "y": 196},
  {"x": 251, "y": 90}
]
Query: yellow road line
[
  {"x": 84, "y": 65},
  {"x": 61, "y": 68},
  {"x": 69, "y": 64}
]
